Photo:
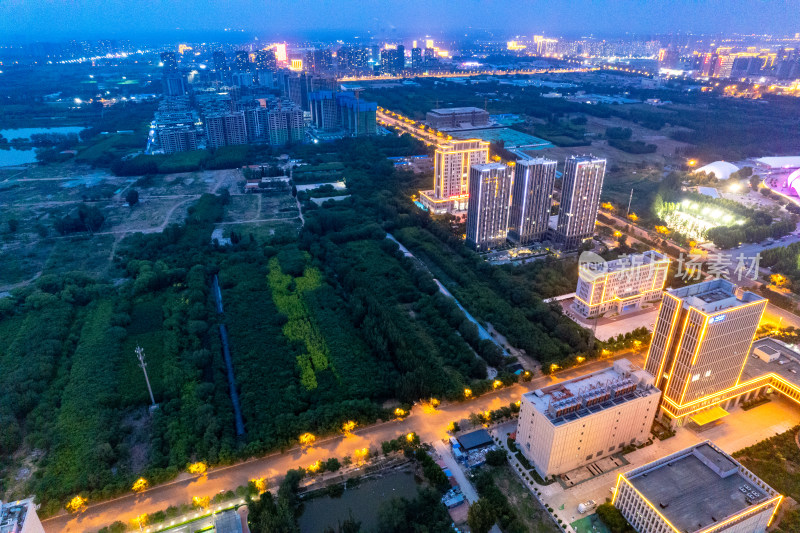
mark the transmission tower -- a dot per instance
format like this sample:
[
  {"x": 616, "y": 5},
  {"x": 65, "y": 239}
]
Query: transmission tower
[{"x": 140, "y": 356}]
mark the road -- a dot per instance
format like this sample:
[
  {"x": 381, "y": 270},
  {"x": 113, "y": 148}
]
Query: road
[
  {"x": 430, "y": 426},
  {"x": 447, "y": 456}
]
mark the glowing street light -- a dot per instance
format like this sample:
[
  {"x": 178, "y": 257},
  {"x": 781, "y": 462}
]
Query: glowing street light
[
  {"x": 348, "y": 427},
  {"x": 140, "y": 485},
  {"x": 307, "y": 440},
  {"x": 198, "y": 468},
  {"x": 496, "y": 384},
  {"x": 467, "y": 393},
  {"x": 77, "y": 504}
]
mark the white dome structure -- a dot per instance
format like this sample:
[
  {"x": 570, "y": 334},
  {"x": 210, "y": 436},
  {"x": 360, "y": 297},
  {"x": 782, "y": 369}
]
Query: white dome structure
[
  {"x": 721, "y": 169},
  {"x": 793, "y": 181}
]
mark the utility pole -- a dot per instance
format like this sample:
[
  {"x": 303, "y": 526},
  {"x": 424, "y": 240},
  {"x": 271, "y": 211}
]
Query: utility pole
[
  {"x": 629, "y": 205},
  {"x": 140, "y": 356}
]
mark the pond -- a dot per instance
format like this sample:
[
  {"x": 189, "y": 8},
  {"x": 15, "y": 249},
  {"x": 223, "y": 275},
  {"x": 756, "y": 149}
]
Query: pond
[
  {"x": 363, "y": 500},
  {"x": 13, "y": 156},
  {"x": 10, "y": 157},
  {"x": 25, "y": 133}
]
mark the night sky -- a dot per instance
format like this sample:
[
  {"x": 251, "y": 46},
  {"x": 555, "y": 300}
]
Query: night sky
[{"x": 49, "y": 19}]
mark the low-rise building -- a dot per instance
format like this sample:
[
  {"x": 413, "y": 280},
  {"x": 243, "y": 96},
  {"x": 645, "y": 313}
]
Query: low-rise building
[
  {"x": 697, "y": 490},
  {"x": 573, "y": 423},
  {"x": 457, "y": 117},
  {"x": 621, "y": 285}
]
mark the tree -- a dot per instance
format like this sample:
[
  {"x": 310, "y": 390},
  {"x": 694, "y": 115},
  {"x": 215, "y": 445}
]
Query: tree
[
  {"x": 13, "y": 225},
  {"x": 294, "y": 191},
  {"x": 755, "y": 181},
  {"x": 612, "y": 518},
  {"x": 132, "y": 197},
  {"x": 481, "y": 516},
  {"x": 496, "y": 457}
]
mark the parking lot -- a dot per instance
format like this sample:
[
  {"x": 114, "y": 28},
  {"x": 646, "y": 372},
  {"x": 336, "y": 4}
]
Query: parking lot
[{"x": 607, "y": 327}]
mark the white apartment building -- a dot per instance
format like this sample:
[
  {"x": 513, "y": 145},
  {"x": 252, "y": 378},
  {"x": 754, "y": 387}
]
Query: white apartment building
[
  {"x": 576, "y": 422},
  {"x": 621, "y": 285}
]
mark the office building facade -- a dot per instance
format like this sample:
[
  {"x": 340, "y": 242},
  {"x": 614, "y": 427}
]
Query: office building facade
[
  {"x": 487, "y": 213},
  {"x": 457, "y": 117},
  {"x": 451, "y": 167},
  {"x": 697, "y": 490},
  {"x": 576, "y": 422},
  {"x": 624, "y": 284},
  {"x": 531, "y": 200},
  {"x": 580, "y": 199},
  {"x": 700, "y": 344}
]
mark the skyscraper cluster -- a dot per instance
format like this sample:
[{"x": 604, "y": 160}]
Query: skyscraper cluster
[{"x": 514, "y": 201}]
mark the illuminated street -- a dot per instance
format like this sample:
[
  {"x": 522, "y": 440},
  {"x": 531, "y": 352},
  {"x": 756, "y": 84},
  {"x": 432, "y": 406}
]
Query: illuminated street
[{"x": 429, "y": 426}]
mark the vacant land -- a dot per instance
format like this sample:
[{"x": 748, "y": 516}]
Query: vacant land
[{"x": 34, "y": 199}]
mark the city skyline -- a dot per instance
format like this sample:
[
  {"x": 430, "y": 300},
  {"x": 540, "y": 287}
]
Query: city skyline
[{"x": 23, "y": 19}]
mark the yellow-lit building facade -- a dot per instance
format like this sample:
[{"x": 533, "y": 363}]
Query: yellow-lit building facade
[
  {"x": 701, "y": 341},
  {"x": 697, "y": 490},
  {"x": 624, "y": 284},
  {"x": 451, "y": 168}
]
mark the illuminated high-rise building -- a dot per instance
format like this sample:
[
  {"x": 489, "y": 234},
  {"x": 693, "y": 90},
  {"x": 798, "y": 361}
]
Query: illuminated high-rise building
[
  {"x": 220, "y": 63},
  {"x": 451, "y": 167},
  {"x": 487, "y": 211},
  {"x": 416, "y": 59},
  {"x": 241, "y": 61},
  {"x": 225, "y": 129},
  {"x": 700, "y": 344},
  {"x": 580, "y": 198},
  {"x": 531, "y": 199},
  {"x": 265, "y": 60},
  {"x": 170, "y": 61}
]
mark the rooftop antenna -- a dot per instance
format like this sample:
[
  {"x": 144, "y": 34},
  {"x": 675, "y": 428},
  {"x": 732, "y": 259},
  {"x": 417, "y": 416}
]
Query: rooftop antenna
[{"x": 140, "y": 355}]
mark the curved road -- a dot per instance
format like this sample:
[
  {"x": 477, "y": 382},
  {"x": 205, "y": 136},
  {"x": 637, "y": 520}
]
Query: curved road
[{"x": 430, "y": 426}]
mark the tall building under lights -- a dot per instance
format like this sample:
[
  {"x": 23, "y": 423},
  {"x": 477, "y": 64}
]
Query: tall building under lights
[
  {"x": 697, "y": 490},
  {"x": 241, "y": 61},
  {"x": 220, "y": 62},
  {"x": 487, "y": 214},
  {"x": 573, "y": 423},
  {"x": 531, "y": 199},
  {"x": 700, "y": 344},
  {"x": 170, "y": 61},
  {"x": 226, "y": 129},
  {"x": 621, "y": 285},
  {"x": 580, "y": 199},
  {"x": 451, "y": 166}
]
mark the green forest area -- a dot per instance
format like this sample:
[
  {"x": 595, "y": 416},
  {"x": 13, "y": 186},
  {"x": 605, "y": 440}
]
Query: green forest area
[{"x": 324, "y": 327}]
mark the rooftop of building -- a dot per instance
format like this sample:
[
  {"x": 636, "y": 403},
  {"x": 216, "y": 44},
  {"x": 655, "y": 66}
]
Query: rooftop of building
[
  {"x": 13, "y": 515},
  {"x": 786, "y": 365},
  {"x": 586, "y": 395},
  {"x": 650, "y": 257},
  {"x": 713, "y": 296},
  {"x": 454, "y": 110},
  {"x": 589, "y": 158},
  {"x": 484, "y": 167},
  {"x": 536, "y": 161},
  {"x": 697, "y": 487}
]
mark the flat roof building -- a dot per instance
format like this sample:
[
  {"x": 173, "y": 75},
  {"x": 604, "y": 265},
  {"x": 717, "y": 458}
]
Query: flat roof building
[
  {"x": 573, "y": 423},
  {"x": 697, "y": 490},
  {"x": 700, "y": 344},
  {"x": 457, "y": 118},
  {"x": 531, "y": 199},
  {"x": 19, "y": 517},
  {"x": 623, "y": 284}
]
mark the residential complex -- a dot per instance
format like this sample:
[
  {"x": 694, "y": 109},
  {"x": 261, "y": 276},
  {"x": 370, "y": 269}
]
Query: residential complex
[
  {"x": 576, "y": 422},
  {"x": 19, "y": 517},
  {"x": 700, "y": 344},
  {"x": 580, "y": 200},
  {"x": 451, "y": 168},
  {"x": 177, "y": 139},
  {"x": 697, "y": 490},
  {"x": 531, "y": 200},
  {"x": 226, "y": 129},
  {"x": 457, "y": 118},
  {"x": 621, "y": 285},
  {"x": 487, "y": 213}
]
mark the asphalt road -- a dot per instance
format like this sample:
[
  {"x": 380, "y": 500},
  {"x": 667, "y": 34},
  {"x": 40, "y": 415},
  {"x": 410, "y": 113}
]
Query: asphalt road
[{"x": 430, "y": 426}]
